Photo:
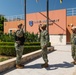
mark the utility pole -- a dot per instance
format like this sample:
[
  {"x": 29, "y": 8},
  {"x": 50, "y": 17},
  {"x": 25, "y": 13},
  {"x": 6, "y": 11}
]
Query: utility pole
[{"x": 25, "y": 15}]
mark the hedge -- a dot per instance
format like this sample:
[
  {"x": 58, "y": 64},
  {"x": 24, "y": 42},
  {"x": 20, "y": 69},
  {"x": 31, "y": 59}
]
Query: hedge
[
  {"x": 6, "y": 43},
  {"x": 26, "y": 43},
  {"x": 10, "y": 50},
  {"x": 7, "y": 48}
]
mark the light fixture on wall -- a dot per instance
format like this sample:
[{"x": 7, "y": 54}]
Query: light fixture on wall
[{"x": 71, "y": 25}]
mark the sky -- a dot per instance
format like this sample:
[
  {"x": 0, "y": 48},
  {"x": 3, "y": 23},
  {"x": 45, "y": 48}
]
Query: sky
[{"x": 16, "y": 7}]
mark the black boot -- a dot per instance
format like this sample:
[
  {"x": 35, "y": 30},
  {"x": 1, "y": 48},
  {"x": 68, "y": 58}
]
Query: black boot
[{"x": 45, "y": 65}]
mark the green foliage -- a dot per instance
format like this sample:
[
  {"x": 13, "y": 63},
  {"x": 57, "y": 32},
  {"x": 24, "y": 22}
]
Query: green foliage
[
  {"x": 1, "y": 27},
  {"x": 7, "y": 48},
  {"x": 26, "y": 43},
  {"x": 10, "y": 50},
  {"x": 29, "y": 37},
  {"x": 7, "y": 38},
  {"x": 28, "y": 49},
  {"x": 2, "y": 19},
  {"x": 6, "y": 43}
]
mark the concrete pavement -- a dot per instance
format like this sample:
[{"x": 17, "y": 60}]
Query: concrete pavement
[{"x": 59, "y": 64}]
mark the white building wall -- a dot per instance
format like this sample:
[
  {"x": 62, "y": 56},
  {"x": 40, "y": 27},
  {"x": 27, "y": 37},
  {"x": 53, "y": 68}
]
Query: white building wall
[{"x": 57, "y": 39}]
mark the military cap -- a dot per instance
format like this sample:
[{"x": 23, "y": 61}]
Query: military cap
[
  {"x": 19, "y": 25},
  {"x": 43, "y": 25}
]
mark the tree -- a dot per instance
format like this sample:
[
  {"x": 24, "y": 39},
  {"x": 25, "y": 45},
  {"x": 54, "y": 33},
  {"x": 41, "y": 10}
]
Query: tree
[{"x": 2, "y": 19}]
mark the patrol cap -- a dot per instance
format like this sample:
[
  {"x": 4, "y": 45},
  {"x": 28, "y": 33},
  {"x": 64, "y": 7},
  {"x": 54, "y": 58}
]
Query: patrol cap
[
  {"x": 19, "y": 25},
  {"x": 43, "y": 25},
  {"x": 74, "y": 27}
]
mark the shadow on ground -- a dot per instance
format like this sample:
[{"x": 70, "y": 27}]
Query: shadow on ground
[
  {"x": 60, "y": 65},
  {"x": 51, "y": 67},
  {"x": 38, "y": 66}
]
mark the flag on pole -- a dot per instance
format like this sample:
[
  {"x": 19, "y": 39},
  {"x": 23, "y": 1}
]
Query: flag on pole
[{"x": 61, "y": 1}]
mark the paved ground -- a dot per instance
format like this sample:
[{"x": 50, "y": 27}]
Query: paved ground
[{"x": 59, "y": 64}]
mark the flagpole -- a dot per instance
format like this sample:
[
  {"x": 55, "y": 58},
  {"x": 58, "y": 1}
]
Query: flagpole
[
  {"x": 47, "y": 12},
  {"x": 25, "y": 15}
]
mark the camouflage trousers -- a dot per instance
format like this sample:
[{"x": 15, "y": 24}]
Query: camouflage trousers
[
  {"x": 19, "y": 52},
  {"x": 73, "y": 50},
  {"x": 44, "y": 54}
]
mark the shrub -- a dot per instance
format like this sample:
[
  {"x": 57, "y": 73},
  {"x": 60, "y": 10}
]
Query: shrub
[
  {"x": 26, "y": 44},
  {"x": 7, "y": 38},
  {"x": 29, "y": 37},
  {"x": 10, "y": 50},
  {"x": 7, "y": 43},
  {"x": 7, "y": 48}
]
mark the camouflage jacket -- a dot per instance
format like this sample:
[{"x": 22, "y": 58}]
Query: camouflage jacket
[
  {"x": 19, "y": 36},
  {"x": 73, "y": 36},
  {"x": 44, "y": 39}
]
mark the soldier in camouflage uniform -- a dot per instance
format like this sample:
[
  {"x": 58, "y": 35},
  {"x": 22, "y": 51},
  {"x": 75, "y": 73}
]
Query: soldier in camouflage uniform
[
  {"x": 19, "y": 45},
  {"x": 73, "y": 45},
  {"x": 44, "y": 43}
]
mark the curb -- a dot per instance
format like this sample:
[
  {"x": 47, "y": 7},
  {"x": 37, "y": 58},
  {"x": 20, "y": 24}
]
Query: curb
[{"x": 5, "y": 65}]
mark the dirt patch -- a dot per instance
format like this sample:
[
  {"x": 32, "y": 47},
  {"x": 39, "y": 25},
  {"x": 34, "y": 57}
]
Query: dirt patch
[{"x": 3, "y": 58}]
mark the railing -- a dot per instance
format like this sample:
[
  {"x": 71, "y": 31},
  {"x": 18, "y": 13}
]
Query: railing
[
  {"x": 15, "y": 17},
  {"x": 71, "y": 11}
]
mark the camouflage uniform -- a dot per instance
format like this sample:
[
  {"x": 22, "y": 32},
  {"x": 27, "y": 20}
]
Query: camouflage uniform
[
  {"x": 44, "y": 43},
  {"x": 19, "y": 36},
  {"x": 73, "y": 46}
]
